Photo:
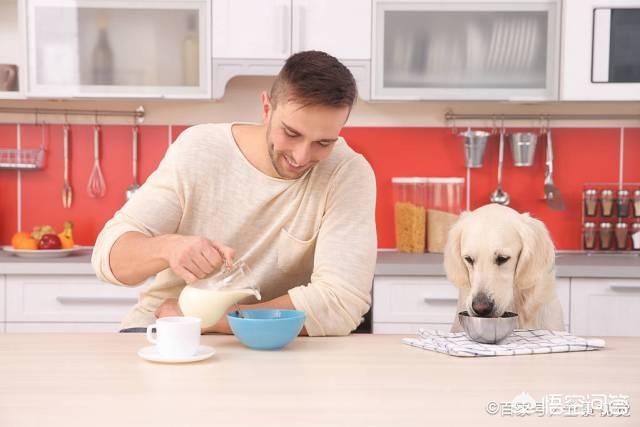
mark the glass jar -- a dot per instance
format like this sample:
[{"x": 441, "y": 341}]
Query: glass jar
[
  {"x": 623, "y": 203},
  {"x": 211, "y": 297},
  {"x": 635, "y": 236},
  {"x": 443, "y": 209},
  {"x": 622, "y": 231},
  {"x": 605, "y": 234},
  {"x": 606, "y": 201},
  {"x": 589, "y": 235},
  {"x": 590, "y": 202},
  {"x": 636, "y": 203},
  {"x": 410, "y": 213}
]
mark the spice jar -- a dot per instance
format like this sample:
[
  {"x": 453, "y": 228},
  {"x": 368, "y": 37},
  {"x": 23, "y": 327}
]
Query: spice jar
[
  {"x": 605, "y": 235},
  {"x": 622, "y": 230},
  {"x": 635, "y": 236},
  {"x": 623, "y": 203},
  {"x": 444, "y": 207},
  {"x": 590, "y": 202},
  {"x": 606, "y": 200},
  {"x": 589, "y": 235},
  {"x": 636, "y": 203}
]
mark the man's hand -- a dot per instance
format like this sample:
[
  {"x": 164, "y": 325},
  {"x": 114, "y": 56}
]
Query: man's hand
[
  {"x": 194, "y": 257},
  {"x": 168, "y": 308}
]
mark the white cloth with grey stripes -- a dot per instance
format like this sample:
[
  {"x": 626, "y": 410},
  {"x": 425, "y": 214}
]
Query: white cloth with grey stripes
[{"x": 522, "y": 341}]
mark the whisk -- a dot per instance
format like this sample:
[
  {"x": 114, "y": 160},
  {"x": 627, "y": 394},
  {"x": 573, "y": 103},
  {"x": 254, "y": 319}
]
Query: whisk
[{"x": 96, "y": 186}]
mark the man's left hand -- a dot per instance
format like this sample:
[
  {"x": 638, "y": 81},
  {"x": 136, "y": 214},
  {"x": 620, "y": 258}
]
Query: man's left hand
[{"x": 168, "y": 308}]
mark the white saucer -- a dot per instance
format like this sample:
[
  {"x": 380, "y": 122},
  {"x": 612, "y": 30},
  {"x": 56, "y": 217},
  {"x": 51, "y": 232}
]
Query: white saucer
[{"x": 152, "y": 355}]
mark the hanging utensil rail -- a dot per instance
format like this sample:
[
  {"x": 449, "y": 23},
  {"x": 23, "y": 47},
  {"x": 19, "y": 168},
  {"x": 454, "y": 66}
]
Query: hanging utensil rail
[{"x": 138, "y": 115}]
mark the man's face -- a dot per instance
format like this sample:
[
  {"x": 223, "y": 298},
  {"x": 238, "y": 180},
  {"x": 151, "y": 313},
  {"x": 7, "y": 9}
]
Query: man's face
[{"x": 299, "y": 137}]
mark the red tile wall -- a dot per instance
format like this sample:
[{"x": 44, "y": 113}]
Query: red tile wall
[{"x": 581, "y": 155}]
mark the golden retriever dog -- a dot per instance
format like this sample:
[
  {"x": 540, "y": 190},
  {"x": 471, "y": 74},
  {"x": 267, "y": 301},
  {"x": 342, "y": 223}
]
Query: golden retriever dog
[{"x": 502, "y": 260}]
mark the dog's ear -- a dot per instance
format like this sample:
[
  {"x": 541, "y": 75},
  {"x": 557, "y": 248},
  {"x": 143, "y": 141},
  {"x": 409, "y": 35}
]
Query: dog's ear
[
  {"x": 453, "y": 265},
  {"x": 537, "y": 258}
]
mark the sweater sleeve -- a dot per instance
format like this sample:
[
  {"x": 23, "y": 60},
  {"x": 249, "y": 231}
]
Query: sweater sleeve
[
  {"x": 339, "y": 292},
  {"x": 155, "y": 209}
]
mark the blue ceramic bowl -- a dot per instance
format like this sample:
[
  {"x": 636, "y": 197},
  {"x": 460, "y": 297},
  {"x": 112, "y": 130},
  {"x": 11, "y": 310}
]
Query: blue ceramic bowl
[{"x": 266, "y": 329}]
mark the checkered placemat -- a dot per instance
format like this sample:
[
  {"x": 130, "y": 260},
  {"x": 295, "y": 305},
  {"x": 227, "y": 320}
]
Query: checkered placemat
[{"x": 522, "y": 341}]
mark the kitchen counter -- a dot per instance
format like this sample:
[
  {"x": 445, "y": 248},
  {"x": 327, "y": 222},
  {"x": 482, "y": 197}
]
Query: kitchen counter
[
  {"x": 390, "y": 263},
  {"x": 361, "y": 380},
  {"x": 568, "y": 264}
]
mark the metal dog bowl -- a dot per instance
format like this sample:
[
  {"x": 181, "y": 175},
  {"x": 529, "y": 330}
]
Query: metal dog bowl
[{"x": 488, "y": 330}]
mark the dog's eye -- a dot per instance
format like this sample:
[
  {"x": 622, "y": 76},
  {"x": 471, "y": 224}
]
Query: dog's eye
[
  {"x": 502, "y": 259},
  {"x": 469, "y": 260}
]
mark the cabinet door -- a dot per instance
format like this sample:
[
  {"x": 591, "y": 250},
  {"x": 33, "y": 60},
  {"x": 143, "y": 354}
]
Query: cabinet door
[
  {"x": 251, "y": 29},
  {"x": 563, "y": 288},
  {"x": 605, "y": 307},
  {"x": 466, "y": 50},
  {"x": 413, "y": 299},
  {"x": 67, "y": 299},
  {"x": 97, "y": 49},
  {"x": 340, "y": 28}
]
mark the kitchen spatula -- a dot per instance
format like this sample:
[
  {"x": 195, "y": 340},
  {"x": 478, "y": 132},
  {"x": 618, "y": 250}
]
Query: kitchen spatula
[{"x": 551, "y": 192}]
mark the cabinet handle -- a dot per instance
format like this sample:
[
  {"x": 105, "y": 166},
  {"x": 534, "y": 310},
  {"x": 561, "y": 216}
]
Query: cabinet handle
[
  {"x": 286, "y": 29},
  {"x": 96, "y": 300},
  {"x": 440, "y": 299},
  {"x": 624, "y": 286}
]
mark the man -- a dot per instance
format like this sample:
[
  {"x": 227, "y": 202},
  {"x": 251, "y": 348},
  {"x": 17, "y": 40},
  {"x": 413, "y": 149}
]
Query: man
[{"x": 287, "y": 196}]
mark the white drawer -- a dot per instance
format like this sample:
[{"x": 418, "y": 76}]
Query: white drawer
[
  {"x": 409, "y": 329},
  {"x": 605, "y": 307},
  {"x": 38, "y": 327},
  {"x": 67, "y": 299},
  {"x": 413, "y": 299}
]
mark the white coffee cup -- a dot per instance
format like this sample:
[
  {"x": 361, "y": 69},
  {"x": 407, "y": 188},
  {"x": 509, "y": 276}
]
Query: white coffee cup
[{"x": 176, "y": 336}]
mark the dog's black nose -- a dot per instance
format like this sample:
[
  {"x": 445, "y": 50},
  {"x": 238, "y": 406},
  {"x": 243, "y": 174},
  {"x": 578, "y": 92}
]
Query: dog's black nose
[{"x": 482, "y": 305}]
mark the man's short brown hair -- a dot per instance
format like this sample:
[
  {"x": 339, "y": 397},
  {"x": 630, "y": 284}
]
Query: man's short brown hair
[{"x": 314, "y": 78}]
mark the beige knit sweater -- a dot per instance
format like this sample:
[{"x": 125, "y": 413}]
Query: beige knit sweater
[{"x": 313, "y": 237}]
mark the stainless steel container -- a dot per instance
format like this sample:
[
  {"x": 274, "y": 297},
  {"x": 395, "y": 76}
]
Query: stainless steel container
[
  {"x": 590, "y": 202},
  {"x": 589, "y": 235},
  {"x": 606, "y": 201},
  {"x": 488, "y": 330},
  {"x": 622, "y": 231},
  {"x": 475, "y": 144},
  {"x": 606, "y": 235},
  {"x": 523, "y": 148}
]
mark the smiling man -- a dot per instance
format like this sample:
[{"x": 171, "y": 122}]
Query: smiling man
[{"x": 288, "y": 196}]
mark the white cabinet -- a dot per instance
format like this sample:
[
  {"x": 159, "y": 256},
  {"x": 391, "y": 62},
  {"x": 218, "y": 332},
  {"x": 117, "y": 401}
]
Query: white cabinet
[
  {"x": 603, "y": 307},
  {"x": 403, "y": 304},
  {"x": 12, "y": 70},
  {"x": 251, "y": 29},
  {"x": 467, "y": 50},
  {"x": 254, "y": 37},
  {"x": 118, "y": 49},
  {"x": 340, "y": 28},
  {"x": 43, "y": 303}
]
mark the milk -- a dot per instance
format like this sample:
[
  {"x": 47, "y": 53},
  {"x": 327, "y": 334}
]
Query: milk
[{"x": 210, "y": 305}]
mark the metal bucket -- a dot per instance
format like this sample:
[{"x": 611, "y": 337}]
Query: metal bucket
[
  {"x": 523, "y": 148},
  {"x": 475, "y": 143}
]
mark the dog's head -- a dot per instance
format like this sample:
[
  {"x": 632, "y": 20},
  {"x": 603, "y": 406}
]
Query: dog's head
[{"x": 496, "y": 255}]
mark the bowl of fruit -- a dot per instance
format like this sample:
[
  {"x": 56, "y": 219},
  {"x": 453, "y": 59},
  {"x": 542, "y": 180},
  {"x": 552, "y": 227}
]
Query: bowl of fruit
[{"x": 43, "y": 242}]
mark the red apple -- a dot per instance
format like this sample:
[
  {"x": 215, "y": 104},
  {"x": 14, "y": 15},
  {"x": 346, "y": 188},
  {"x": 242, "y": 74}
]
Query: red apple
[{"x": 49, "y": 241}]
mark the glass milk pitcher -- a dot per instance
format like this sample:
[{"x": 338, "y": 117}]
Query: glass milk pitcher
[{"x": 210, "y": 298}]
